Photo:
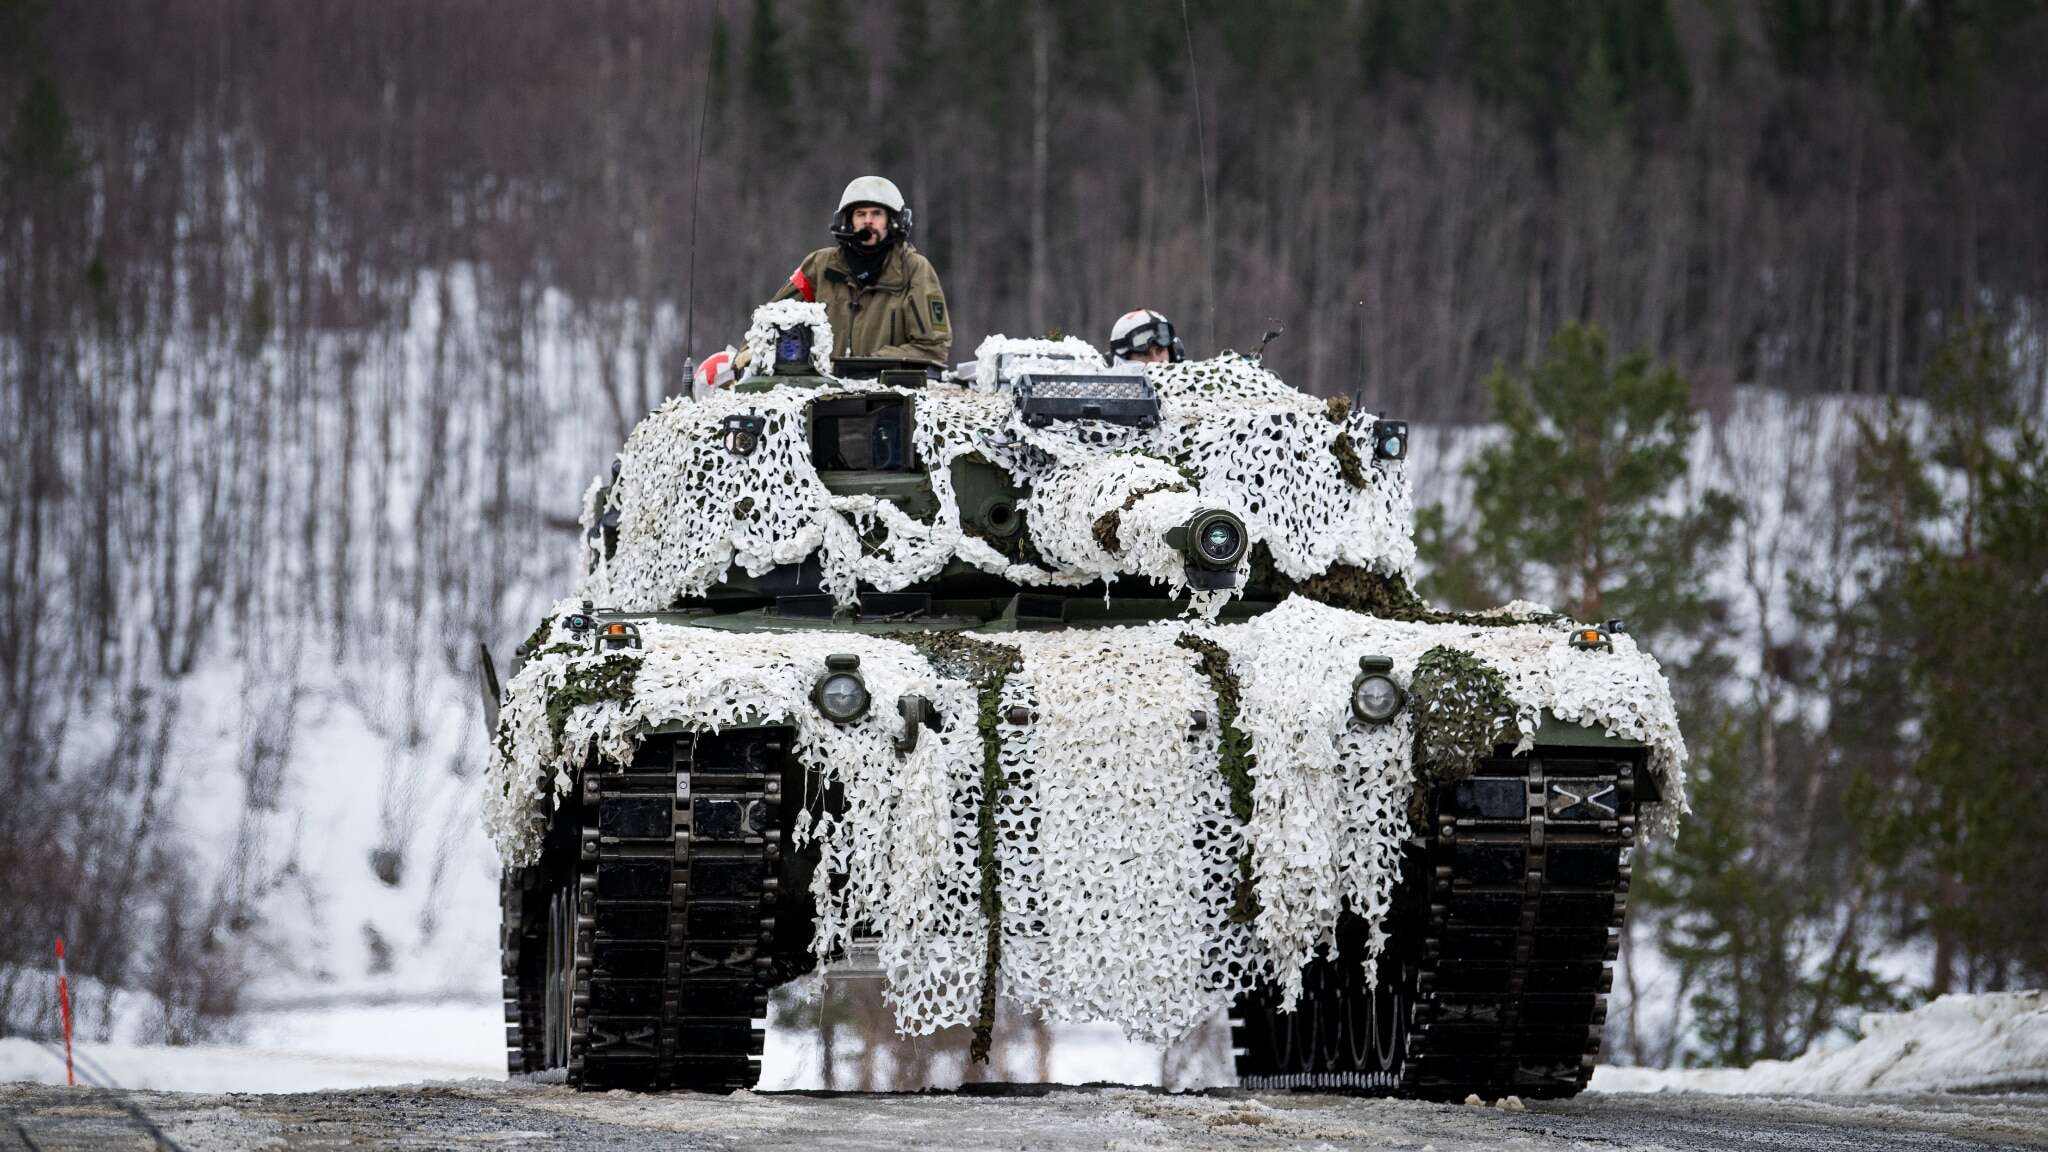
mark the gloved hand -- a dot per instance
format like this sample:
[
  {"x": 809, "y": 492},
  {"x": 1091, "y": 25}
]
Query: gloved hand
[{"x": 742, "y": 358}]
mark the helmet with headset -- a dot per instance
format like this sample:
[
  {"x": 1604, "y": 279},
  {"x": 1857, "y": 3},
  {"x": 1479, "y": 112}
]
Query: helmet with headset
[
  {"x": 875, "y": 190},
  {"x": 717, "y": 371},
  {"x": 1136, "y": 331}
]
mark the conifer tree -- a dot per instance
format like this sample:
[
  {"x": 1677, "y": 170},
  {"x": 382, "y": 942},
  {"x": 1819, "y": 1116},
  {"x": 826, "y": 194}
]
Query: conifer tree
[
  {"x": 767, "y": 76},
  {"x": 1582, "y": 501},
  {"x": 1960, "y": 611}
]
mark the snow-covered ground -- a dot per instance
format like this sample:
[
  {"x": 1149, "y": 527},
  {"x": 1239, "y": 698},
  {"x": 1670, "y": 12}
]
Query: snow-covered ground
[
  {"x": 295, "y": 1051},
  {"x": 1994, "y": 1041},
  {"x": 304, "y": 1050},
  {"x": 1987, "y": 1042}
]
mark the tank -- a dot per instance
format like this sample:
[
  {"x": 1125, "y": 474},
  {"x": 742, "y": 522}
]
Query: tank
[{"x": 1101, "y": 688}]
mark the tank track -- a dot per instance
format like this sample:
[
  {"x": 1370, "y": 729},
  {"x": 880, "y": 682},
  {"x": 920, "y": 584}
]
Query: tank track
[
  {"x": 522, "y": 939},
  {"x": 1504, "y": 935},
  {"x": 1527, "y": 892},
  {"x": 678, "y": 865}
]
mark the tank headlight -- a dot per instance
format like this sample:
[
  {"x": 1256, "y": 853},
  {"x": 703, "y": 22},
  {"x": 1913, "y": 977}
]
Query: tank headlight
[
  {"x": 840, "y": 693},
  {"x": 1375, "y": 698}
]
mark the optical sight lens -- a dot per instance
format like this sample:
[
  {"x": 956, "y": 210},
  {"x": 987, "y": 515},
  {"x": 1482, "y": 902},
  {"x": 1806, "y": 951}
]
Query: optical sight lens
[{"x": 1219, "y": 540}]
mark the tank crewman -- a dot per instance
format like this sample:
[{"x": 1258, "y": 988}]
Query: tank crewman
[
  {"x": 1145, "y": 337},
  {"x": 881, "y": 294},
  {"x": 714, "y": 373}
]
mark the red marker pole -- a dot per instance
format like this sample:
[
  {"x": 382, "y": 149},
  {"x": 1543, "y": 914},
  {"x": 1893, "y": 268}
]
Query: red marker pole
[{"x": 64, "y": 1008}]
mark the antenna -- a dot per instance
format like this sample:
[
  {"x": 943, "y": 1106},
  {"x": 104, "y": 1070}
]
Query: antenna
[
  {"x": 1259, "y": 353},
  {"x": 697, "y": 199},
  {"x": 1202, "y": 156}
]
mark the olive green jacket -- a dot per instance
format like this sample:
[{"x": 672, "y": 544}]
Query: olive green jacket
[{"x": 902, "y": 315}]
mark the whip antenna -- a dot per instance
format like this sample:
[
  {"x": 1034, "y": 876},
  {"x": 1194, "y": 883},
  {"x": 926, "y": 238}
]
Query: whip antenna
[
  {"x": 1202, "y": 156},
  {"x": 696, "y": 199},
  {"x": 1259, "y": 353}
]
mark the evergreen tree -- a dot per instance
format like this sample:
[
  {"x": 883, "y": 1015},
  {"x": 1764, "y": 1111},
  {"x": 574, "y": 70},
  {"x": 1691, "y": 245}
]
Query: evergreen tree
[
  {"x": 39, "y": 151},
  {"x": 1456, "y": 577},
  {"x": 1581, "y": 499},
  {"x": 1767, "y": 934},
  {"x": 1964, "y": 600},
  {"x": 768, "y": 83}
]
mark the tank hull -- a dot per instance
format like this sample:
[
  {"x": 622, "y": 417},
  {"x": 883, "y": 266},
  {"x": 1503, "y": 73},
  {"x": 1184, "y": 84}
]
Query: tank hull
[{"x": 641, "y": 947}]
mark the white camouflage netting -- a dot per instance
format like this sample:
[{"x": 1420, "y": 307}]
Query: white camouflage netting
[
  {"x": 1232, "y": 436},
  {"x": 1266, "y": 448},
  {"x": 1097, "y": 780},
  {"x": 1117, "y": 853},
  {"x": 1028, "y": 354},
  {"x": 781, "y": 314}
]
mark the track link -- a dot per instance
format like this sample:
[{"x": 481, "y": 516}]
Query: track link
[
  {"x": 679, "y": 855},
  {"x": 1527, "y": 890}
]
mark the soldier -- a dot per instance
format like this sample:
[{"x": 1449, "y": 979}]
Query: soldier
[
  {"x": 882, "y": 295},
  {"x": 714, "y": 373},
  {"x": 1145, "y": 337}
]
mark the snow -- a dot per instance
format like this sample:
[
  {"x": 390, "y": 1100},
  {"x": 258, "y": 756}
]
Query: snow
[
  {"x": 291, "y": 1052},
  {"x": 1991, "y": 1041},
  {"x": 357, "y": 782},
  {"x": 1958, "y": 1043},
  {"x": 310, "y": 1050}
]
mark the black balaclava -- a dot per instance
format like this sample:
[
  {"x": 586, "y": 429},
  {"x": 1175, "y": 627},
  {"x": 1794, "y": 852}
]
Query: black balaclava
[{"x": 866, "y": 263}]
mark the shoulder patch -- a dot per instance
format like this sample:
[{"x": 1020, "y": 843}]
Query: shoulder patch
[{"x": 938, "y": 307}]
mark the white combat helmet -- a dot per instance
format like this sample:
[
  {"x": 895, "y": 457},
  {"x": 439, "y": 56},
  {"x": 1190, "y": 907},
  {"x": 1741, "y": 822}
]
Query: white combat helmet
[
  {"x": 871, "y": 190},
  {"x": 1137, "y": 330}
]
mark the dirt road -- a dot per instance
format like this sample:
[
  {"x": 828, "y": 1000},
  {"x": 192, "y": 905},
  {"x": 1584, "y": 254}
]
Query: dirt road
[{"x": 477, "y": 1115}]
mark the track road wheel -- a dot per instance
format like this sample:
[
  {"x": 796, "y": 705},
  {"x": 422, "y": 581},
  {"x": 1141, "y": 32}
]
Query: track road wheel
[{"x": 1344, "y": 1035}]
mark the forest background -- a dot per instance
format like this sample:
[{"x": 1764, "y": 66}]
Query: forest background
[{"x": 1727, "y": 316}]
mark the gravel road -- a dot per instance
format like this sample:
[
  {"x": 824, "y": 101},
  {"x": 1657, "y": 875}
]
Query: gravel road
[{"x": 476, "y": 1115}]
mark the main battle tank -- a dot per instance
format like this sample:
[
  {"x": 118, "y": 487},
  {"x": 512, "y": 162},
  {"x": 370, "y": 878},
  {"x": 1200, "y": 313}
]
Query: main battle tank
[{"x": 1099, "y": 687}]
